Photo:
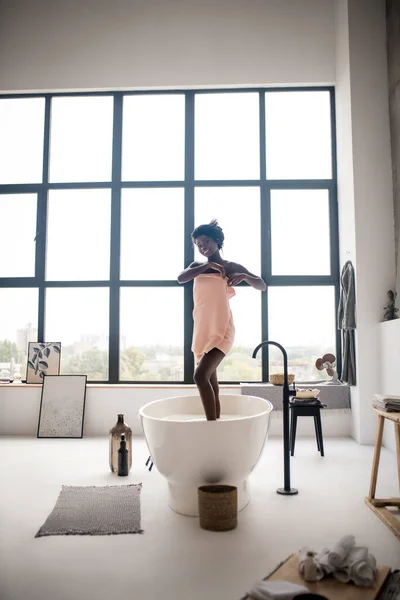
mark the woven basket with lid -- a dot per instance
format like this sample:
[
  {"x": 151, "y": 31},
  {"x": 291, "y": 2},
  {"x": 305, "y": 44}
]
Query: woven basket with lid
[{"x": 218, "y": 505}]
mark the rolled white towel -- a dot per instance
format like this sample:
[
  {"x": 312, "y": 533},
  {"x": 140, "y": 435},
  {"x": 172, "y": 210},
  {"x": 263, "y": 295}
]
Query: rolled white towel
[
  {"x": 323, "y": 561},
  {"x": 342, "y": 573},
  {"x": 356, "y": 554},
  {"x": 276, "y": 590},
  {"x": 363, "y": 571},
  {"x": 340, "y": 550},
  {"x": 359, "y": 567}
]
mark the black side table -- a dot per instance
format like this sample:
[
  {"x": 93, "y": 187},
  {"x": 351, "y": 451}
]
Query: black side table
[{"x": 303, "y": 409}]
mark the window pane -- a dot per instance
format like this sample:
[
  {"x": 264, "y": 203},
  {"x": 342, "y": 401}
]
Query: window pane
[
  {"x": 81, "y": 139},
  {"x": 306, "y": 250},
  {"x": 153, "y": 141},
  {"x": 21, "y": 140},
  {"x": 298, "y": 135},
  {"x": 152, "y": 223},
  {"x": 238, "y": 213},
  {"x": 79, "y": 317},
  {"x": 151, "y": 342},
  {"x": 302, "y": 320},
  {"x": 78, "y": 235},
  {"x": 238, "y": 364},
  {"x": 17, "y": 240},
  {"x": 18, "y": 326},
  {"x": 227, "y": 136}
]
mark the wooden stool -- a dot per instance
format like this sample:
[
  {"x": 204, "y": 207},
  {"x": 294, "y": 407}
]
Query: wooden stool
[
  {"x": 306, "y": 410},
  {"x": 379, "y": 505}
]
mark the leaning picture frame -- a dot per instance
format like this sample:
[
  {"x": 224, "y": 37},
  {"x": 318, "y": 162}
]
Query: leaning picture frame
[
  {"x": 62, "y": 406},
  {"x": 43, "y": 359}
]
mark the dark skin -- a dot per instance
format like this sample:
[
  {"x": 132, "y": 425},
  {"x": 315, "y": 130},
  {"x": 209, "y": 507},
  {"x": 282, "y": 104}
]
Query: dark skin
[{"x": 205, "y": 375}]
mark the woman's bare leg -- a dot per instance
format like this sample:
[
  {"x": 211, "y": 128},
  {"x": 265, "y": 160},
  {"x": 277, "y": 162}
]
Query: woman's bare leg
[
  {"x": 202, "y": 378},
  {"x": 215, "y": 387}
]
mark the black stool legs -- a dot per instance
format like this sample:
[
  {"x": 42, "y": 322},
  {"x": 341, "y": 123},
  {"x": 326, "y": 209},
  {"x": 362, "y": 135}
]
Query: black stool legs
[
  {"x": 293, "y": 426},
  {"x": 318, "y": 427},
  {"x": 316, "y": 432},
  {"x": 306, "y": 411}
]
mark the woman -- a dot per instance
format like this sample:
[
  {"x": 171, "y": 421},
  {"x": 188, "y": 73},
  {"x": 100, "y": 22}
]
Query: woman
[{"x": 214, "y": 331}]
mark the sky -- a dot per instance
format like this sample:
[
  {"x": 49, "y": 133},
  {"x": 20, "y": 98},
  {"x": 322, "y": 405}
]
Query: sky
[{"x": 226, "y": 146}]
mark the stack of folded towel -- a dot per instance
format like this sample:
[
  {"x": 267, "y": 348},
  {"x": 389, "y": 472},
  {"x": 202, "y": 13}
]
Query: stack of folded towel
[
  {"x": 386, "y": 403},
  {"x": 345, "y": 561}
]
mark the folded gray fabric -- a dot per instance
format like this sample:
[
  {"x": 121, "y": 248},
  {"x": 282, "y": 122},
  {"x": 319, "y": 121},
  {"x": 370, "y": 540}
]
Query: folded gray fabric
[
  {"x": 386, "y": 403},
  {"x": 276, "y": 590}
]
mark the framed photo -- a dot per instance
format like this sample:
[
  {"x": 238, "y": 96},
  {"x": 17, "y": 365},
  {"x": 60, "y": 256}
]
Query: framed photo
[
  {"x": 62, "y": 406},
  {"x": 43, "y": 359}
]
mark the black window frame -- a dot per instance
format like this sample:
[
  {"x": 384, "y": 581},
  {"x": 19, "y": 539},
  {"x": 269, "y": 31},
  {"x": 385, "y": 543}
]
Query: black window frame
[{"x": 189, "y": 184}]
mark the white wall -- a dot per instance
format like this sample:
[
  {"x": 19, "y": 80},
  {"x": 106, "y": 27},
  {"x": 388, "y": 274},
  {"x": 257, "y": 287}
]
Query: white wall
[
  {"x": 344, "y": 145},
  {"x": 365, "y": 185},
  {"x": 390, "y": 367},
  {"x": 113, "y": 44},
  {"x": 344, "y": 141},
  {"x": 20, "y": 404}
]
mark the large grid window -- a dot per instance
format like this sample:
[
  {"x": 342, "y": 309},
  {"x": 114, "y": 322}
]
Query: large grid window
[{"x": 99, "y": 194}]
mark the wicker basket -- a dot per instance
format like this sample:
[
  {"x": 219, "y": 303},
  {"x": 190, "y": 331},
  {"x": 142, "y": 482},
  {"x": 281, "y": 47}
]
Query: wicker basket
[
  {"x": 218, "y": 507},
  {"x": 277, "y": 378}
]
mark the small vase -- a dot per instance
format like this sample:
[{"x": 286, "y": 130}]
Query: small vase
[
  {"x": 123, "y": 458},
  {"x": 120, "y": 428}
]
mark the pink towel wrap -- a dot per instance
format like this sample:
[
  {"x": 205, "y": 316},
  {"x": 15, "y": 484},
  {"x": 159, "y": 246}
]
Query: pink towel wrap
[{"x": 212, "y": 316}]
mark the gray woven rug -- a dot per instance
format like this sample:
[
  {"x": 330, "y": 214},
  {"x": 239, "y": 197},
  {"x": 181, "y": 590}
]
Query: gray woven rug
[{"x": 91, "y": 510}]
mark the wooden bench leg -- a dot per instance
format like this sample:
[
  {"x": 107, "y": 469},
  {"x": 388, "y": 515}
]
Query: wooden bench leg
[{"x": 377, "y": 455}]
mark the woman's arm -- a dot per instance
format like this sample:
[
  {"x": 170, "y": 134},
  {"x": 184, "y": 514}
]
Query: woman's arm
[
  {"x": 242, "y": 274},
  {"x": 196, "y": 268}
]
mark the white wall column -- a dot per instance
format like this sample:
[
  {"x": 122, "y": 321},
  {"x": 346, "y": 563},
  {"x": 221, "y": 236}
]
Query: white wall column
[{"x": 365, "y": 186}]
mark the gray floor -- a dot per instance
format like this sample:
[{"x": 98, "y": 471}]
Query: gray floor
[{"x": 174, "y": 558}]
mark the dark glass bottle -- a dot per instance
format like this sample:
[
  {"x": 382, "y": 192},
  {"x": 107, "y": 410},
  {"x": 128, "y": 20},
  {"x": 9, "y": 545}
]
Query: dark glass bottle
[
  {"x": 123, "y": 467},
  {"x": 115, "y": 439}
]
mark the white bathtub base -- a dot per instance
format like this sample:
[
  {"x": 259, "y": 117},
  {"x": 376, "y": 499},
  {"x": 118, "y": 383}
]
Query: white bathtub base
[
  {"x": 190, "y": 451},
  {"x": 184, "y": 500}
]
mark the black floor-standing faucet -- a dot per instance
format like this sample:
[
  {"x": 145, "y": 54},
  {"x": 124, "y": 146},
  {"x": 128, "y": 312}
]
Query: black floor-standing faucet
[{"x": 286, "y": 490}]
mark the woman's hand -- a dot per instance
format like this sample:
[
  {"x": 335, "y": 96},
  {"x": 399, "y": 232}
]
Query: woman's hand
[
  {"x": 195, "y": 269},
  {"x": 236, "y": 278},
  {"x": 217, "y": 267}
]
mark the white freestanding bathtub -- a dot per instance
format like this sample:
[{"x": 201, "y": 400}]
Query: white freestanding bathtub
[{"x": 190, "y": 451}]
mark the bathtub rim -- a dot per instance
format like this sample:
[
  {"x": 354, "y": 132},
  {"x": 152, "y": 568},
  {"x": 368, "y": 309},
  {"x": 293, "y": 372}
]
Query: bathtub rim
[{"x": 268, "y": 410}]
